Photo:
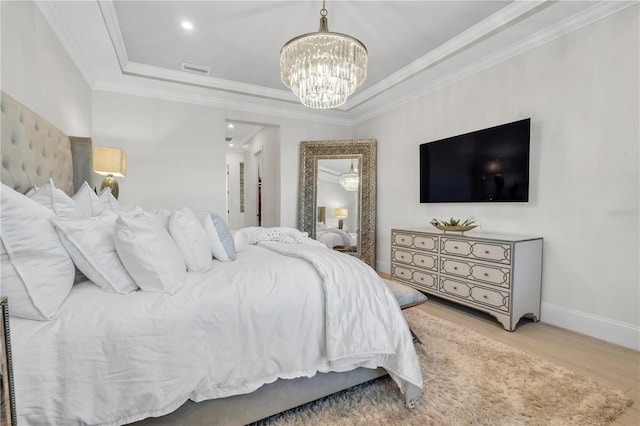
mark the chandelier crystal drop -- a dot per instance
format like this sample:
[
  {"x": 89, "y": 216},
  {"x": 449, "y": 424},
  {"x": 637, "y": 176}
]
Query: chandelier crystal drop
[
  {"x": 350, "y": 180},
  {"x": 323, "y": 68}
]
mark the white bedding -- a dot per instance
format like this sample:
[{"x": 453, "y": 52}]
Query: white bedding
[
  {"x": 111, "y": 359},
  {"x": 332, "y": 237}
]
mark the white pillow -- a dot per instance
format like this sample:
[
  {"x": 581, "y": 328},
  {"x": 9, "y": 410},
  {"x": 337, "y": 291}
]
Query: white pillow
[
  {"x": 87, "y": 201},
  {"x": 37, "y": 272},
  {"x": 149, "y": 254},
  {"x": 91, "y": 204},
  {"x": 91, "y": 244},
  {"x": 240, "y": 240},
  {"x": 108, "y": 200},
  {"x": 56, "y": 200},
  {"x": 220, "y": 238},
  {"x": 161, "y": 216},
  {"x": 192, "y": 240}
]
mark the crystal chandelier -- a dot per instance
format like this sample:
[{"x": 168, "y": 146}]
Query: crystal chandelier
[
  {"x": 349, "y": 180},
  {"x": 323, "y": 68}
]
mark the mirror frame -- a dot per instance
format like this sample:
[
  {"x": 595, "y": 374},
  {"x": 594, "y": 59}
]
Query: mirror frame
[{"x": 365, "y": 151}]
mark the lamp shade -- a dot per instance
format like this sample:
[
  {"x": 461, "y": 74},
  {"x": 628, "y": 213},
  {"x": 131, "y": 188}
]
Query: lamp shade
[
  {"x": 341, "y": 213},
  {"x": 109, "y": 161}
]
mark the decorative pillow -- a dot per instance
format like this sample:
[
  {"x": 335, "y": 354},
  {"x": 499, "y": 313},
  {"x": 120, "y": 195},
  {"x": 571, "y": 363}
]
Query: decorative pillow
[
  {"x": 149, "y": 254},
  {"x": 240, "y": 240},
  {"x": 56, "y": 200},
  {"x": 192, "y": 240},
  {"x": 91, "y": 244},
  {"x": 37, "y": 272},
  {"x": 220, "y": 238}
]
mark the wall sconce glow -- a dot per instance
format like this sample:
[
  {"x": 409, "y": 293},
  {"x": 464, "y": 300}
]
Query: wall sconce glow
[{"x": 187, "y": 25}]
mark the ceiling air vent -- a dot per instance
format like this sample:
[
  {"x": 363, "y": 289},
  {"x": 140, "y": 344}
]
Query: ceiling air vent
[
  {"x": 228, "y": 139},
  {"x": 196, "y": 69}
]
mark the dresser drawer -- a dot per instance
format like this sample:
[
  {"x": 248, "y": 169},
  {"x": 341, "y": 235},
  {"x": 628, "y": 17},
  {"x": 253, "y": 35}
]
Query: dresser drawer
[
  {"x": 496, "y": 299},
  {"x": 419, "y": 242},
  {"x": 422, "y": 279},
  {"x": 425, "y": 279},
  {"x": 425, "y": 243},
  {"x": 401, "y": 272},
  {"x": 488, "y": 274},
  {"x": 410, "y": 257},
  {"x": 495, "y": 252}
]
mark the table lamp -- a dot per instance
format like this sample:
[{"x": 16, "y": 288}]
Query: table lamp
[
  {"x": 341, "y": 214},
  {"x": 109, "y": 162}
]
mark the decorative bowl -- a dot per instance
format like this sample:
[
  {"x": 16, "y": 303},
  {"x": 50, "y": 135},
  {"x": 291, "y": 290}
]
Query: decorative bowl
[{"x": 457, "y": 228}]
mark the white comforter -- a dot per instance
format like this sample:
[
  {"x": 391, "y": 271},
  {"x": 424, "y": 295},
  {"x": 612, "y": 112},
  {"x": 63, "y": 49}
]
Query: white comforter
[{"x": 111, "y": 359}]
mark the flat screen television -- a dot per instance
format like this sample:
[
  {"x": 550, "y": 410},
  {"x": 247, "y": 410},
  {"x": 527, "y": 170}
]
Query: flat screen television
[{"x": 489, "y": 165}]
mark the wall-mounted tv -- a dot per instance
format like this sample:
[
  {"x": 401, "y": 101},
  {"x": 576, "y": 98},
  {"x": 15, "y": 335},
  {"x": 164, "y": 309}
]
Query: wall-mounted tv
[{"x": 490, "y": 165}]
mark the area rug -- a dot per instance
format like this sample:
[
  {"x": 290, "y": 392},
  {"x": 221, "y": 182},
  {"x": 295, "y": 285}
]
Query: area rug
[{"x": 468, "y": 379}]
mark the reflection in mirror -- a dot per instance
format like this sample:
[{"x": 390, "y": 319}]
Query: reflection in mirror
[{"x": 337, "y": 195}]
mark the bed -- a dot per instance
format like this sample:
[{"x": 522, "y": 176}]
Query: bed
[
  {"x": 332, "y": 237},
  {"x": 280, "y": 324}
]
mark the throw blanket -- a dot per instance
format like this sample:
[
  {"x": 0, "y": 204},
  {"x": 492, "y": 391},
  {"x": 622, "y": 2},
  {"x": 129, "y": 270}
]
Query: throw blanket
[
  {"x": 379, "y": 335},
  {"x": 279, "y": 234}
]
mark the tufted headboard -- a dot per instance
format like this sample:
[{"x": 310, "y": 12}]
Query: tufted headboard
[{"x": 34, "y": 150}]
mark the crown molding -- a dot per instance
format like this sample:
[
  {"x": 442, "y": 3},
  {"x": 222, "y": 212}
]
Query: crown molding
[
  {"x": 280, "y": 103},
  {"x": 48, "y": 10},
  {"x": 217, "y": 102},
  {"x": 110, "y": 18},
  {"x": 595, "y": 13},
  {"x": 499, "y": 19},
  {"x": 179, "y": 76}
]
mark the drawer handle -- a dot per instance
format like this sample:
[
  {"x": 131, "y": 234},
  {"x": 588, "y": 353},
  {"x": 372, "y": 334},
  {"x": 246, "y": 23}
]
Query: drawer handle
[
  {"x": 486, "y": 275},
  {"x": 455, "y": 288},
  {"x": 455, "y": 267},
  {"x": 485, "y": 296},
  {"x": 422, "y": 243},
  {"x": 421, "y": 260},
  {"x": 455, "y": 247},
  {"x": 486, "y": 252}
]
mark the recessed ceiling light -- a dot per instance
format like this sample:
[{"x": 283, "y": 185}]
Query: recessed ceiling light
[
  {"x": 230, "y": 125},
  {"x": 231, "y": 145},
  {"x": 187, "y": 25}
]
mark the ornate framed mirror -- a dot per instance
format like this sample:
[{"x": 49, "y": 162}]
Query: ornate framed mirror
[{"x": 337, "y": 195}]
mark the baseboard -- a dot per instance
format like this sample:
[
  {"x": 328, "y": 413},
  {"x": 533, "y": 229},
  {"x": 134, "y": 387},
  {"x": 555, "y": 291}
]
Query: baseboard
[{"x": 620, "y": 333}]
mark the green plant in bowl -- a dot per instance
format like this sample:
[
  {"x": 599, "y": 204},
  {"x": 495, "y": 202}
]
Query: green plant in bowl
[{"x": 456, "y": 225}]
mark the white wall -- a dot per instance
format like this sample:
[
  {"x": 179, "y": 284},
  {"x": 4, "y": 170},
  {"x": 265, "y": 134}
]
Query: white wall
[
  {"x": 581, "y": 92},
  {"x": 38, "y": 72},
  {"x": 176, "y": 152}
]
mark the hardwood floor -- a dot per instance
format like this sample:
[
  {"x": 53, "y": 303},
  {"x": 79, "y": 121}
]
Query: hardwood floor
[{"x": 605, "y": 362}]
